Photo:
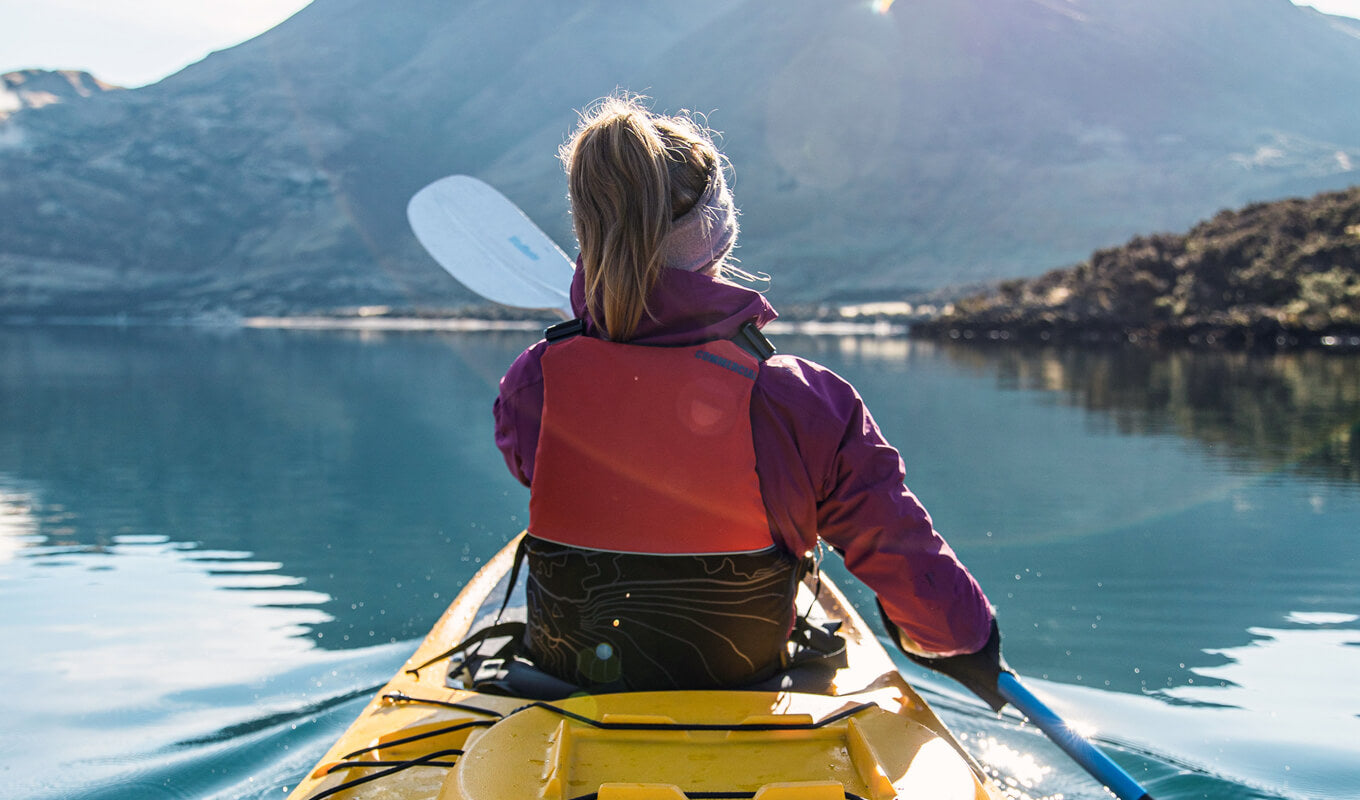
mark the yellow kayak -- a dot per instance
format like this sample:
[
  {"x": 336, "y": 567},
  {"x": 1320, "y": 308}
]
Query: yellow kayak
[{"x": 858, "y": 731}]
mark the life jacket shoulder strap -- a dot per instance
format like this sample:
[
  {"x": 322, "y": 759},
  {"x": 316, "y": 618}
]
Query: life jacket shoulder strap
[{"x": 748, "y": 338}]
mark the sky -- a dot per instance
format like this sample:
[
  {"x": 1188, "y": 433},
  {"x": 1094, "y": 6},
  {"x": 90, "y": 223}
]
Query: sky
[
  {"x": 135, "y": 42},
  {"x": 129, "y": 42}
]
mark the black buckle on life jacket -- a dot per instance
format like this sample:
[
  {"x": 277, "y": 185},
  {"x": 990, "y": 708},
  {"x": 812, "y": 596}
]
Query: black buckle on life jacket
[
  {"x": 750, "y": 339},
  {"x": 564, "y": 330}
]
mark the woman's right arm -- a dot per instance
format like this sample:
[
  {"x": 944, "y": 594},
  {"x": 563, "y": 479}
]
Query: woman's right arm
[{"x": 826, "y": 470}]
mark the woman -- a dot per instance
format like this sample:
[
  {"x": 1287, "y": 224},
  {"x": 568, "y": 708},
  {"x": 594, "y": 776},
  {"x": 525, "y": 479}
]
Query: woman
[{"x": 679, "y": 473}]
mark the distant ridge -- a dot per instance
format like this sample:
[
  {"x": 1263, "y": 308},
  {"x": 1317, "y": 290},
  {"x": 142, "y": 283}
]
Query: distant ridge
[
  {"x": 35, "y": 88},
  {"x": 1268, "y": 275}
]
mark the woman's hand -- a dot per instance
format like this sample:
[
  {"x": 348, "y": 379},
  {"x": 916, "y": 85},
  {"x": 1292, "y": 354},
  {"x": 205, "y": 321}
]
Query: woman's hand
[{"x": 977, "y": 672}]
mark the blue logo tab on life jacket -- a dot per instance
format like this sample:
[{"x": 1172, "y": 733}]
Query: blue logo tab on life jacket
[{"x": 726, "y": 363}]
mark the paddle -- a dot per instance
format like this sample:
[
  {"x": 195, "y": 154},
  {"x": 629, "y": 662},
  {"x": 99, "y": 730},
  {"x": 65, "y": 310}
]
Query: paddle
[
  {"x": 486, "y": 242},
  {"x": 1072, "y": 743}
]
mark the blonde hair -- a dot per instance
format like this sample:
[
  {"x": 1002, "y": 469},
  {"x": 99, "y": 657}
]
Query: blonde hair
[{"x": 630, "y": 173}]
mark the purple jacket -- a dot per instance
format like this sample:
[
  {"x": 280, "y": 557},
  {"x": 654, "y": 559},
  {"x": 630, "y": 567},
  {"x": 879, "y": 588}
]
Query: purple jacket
[{"x": 825, "y": 469}]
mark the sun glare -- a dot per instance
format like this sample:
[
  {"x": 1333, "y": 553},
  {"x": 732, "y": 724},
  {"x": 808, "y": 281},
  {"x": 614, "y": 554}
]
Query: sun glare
[
  {"x": 18, "y": 527},
  {"x": 1345, "y": 8},
  {"x": 881, "y": 6}
]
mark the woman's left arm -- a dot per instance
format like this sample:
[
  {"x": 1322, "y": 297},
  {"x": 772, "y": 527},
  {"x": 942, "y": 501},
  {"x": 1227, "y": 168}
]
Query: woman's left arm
[{"x": 518, "y": 411}]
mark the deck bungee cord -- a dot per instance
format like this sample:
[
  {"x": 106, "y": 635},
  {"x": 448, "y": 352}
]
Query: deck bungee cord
[
  {"x": 697, "y": 726},
  {"x": 496, "y": 631},
  {"x": 432, "y": 759},
  {"x": 402, "y": 697},
  {"x": 713, "y": 796},
  {"x": 392, "y": 768},
  {"x": 462, "y": 726},
  {"x": 408, "y": 762},
  {"x": 621, "y": 726}
]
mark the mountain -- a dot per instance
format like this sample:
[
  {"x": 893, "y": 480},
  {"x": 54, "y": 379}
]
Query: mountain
[
  {"x": 1268, "y": 275},
  {"x": 941, "y": 142}
]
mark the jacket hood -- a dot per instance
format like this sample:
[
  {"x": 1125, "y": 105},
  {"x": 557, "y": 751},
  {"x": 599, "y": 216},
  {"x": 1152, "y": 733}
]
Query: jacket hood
[{"x": 685, "y": 308}]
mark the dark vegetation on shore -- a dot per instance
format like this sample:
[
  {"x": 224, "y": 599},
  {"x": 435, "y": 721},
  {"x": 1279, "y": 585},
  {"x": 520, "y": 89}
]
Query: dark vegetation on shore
[{"x": 1270, "y": 275}]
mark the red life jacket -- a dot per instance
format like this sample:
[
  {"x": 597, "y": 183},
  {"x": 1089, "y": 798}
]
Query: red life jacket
[
  {"x": 648, "y": 449},
  {"x": 651, "y": 564}
]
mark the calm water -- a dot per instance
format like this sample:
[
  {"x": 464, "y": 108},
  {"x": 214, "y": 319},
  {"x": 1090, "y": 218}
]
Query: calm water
[{"x": 214, "y": 545}]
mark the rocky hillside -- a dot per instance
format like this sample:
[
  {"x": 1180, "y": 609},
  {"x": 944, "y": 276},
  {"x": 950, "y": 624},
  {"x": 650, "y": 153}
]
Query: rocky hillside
[
  {"x": 942, "y": 142},
  {"x": 1270, "y": 274}
]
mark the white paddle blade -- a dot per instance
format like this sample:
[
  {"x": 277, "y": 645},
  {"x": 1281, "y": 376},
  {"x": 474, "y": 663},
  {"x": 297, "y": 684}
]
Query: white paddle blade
[{"x": 484, "y": 241}]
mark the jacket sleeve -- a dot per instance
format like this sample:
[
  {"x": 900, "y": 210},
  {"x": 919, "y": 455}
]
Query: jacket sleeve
[
  {"x": 848, "y": 488},
  {"x": 518, "y": 411}
]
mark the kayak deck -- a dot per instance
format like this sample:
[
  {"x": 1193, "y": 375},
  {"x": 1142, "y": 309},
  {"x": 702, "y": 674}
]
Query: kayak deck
[{"x": 864, "y": 733}]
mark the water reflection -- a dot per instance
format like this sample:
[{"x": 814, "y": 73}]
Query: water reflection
[
  {"x": 1130, "y": 531},
  {"x": 1297, "y": 411},
  {"x": 343, "y": 459},
  {"x": 1275, "y": 714},
  {"x": 255, "y": 522},
  {"x": 198, "y": 528},
  {"x": 126, "y": 647}
]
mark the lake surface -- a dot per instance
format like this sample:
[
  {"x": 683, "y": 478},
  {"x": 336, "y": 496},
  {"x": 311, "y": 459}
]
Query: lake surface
[{"x": 216, "y": 544}]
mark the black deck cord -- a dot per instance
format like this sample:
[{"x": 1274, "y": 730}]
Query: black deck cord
[
  {"x": 481, "y": 723},
  {"x": 643, "y": 726},
  {"x": 495, "y": 631},
  {"x": 813, "y": 564},
  {"x": 696, "y": 726},
  {"x": 431, "y": 758},
  {"x": 428, "y": 760},
  {"x": 491, "y": 631},
  {"x": 711, "y": 796},
  {"x": 406, "y": 762},
  {"x": 520, "y": 550},
  {"x": 402, "y": 697}
]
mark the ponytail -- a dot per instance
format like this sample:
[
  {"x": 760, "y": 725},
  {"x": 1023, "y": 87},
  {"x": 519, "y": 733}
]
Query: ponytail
[{"x": 629, "y": 174}]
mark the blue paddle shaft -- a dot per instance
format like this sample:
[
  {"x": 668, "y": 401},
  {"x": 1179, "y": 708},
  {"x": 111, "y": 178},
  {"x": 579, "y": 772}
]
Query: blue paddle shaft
[{"x": 1074, "y": 744}]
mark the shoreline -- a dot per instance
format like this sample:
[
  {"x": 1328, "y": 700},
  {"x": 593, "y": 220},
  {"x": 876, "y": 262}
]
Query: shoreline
[
  {"x": 1206, "y": 336},
  {"x": 396, "y": 324},
  {"x": 803, "y": 327},
  {"x": 1203, "y": 336}
]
